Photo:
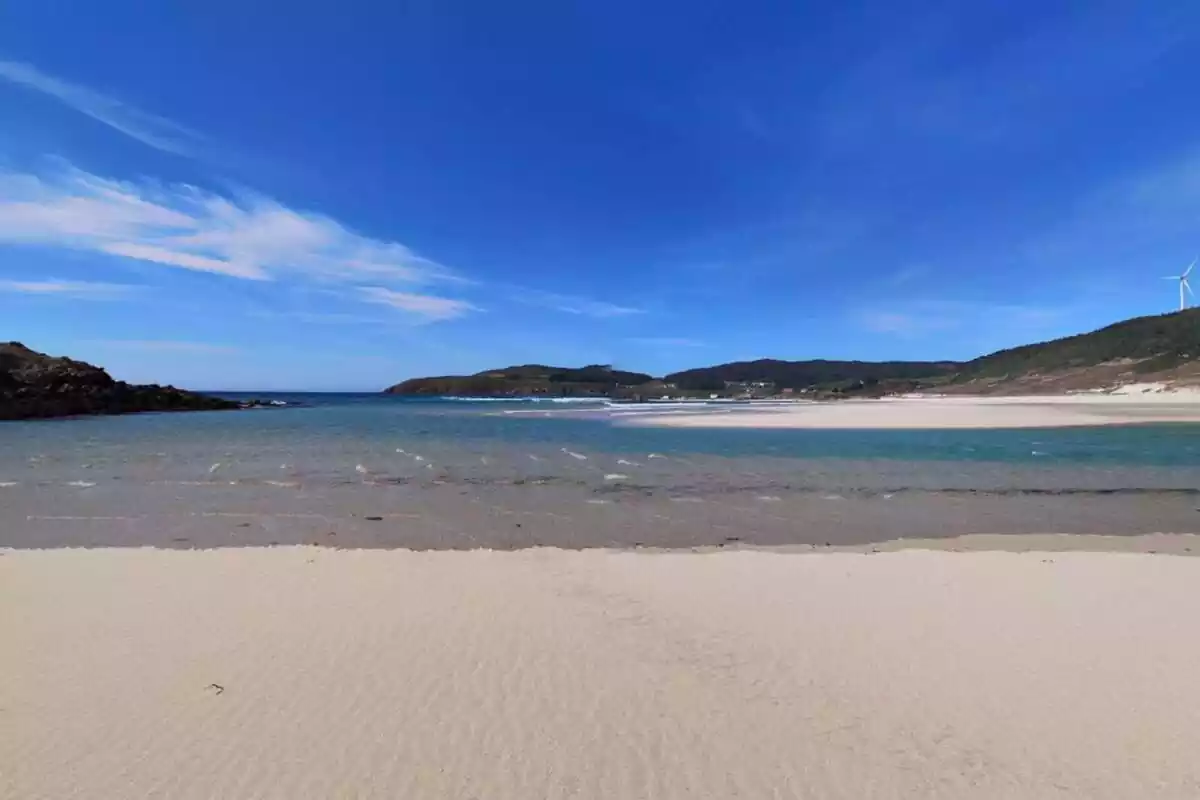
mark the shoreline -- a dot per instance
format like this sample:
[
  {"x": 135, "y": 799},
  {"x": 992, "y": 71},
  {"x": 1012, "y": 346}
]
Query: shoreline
[
  {"x": 943, "y": 413},
  {"x": 302, "y": 671}
]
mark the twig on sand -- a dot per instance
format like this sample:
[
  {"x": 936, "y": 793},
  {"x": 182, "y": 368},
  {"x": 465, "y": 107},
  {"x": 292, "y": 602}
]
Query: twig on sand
[{"x": 220, "y": 689}]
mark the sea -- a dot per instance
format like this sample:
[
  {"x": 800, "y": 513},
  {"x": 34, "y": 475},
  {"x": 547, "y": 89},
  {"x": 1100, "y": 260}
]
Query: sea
[{"x": 372, "y": 470}]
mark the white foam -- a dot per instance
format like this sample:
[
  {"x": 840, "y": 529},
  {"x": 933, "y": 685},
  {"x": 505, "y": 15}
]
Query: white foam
[
  {"x": 615, "y": 476},
  {"x": 768, "y": 498},
  {"x": 595, "y": 502},
  {"x": 7, "y": 484},
  {"x": 572, "y": 454},
  {"x": 214, "y": 468},
  {"x": 625, "y": 463},
  {"x": 81, "y": 484},
  {"x": 655, "y": 455},
  {"x": 361, "y": 470}
]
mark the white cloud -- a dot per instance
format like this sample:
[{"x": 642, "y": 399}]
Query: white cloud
[
  {"x": 155, "y": 131},
  {"x": 572, "y": 304},
  {"x": 167, "y": 346},
  {"x": 77, "y": 290},
  {"x": 427, "y": 307},
  {"x": 183, "y": 226}
]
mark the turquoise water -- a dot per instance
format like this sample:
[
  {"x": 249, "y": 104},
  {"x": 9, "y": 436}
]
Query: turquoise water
[
  {"x": 378, "y": 471},
  {"x": 330, "y": 419}
]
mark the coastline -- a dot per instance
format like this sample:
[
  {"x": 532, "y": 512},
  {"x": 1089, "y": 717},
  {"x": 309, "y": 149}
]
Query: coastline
[
  {"x": 301, "y": 671},
  {"x": 945, "y": 413}
]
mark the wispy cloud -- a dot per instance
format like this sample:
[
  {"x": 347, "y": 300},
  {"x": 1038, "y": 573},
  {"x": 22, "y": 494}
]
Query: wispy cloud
[
  {"x": 167, "y": 346},
  {"x": 428, "y": 308},
  {"x": 149, "y": 129},
  {"x": 573, "y": 304},
  {"x": 76, "y": 290},
  {"x": 251, "y": 237}
]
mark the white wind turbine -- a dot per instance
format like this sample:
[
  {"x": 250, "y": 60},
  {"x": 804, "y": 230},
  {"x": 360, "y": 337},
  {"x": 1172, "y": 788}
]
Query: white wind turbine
[{"x": 1184, "y": 286}]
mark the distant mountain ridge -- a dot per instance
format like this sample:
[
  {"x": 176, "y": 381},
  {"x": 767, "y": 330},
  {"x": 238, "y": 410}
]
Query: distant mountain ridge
[
  {"x": 529, "y": 379},
  {"x": 806, "y": 374},
  {"x": 1163, "y": 348}
]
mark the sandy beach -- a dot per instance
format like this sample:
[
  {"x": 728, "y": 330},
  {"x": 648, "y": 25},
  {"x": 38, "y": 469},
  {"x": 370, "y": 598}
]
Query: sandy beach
[
  {"x": 1055, "y": 411},
  {"x": 310, "y": 672}
]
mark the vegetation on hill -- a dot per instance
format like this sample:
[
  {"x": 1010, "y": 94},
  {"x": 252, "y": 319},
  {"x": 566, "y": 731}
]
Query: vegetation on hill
[
  {"x": 35, "y": 385},
  {"x": 806, "y": 374},
  {"x": 1146, "y": 344},
  {"x": 1165, "y": 347},
  {"x": 530, "y": 379}
]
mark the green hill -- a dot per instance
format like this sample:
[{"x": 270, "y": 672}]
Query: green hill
[
  {"x": 807, "y": 374},
  {"x": 529, "y": 379},
  {"x": 1158, "y": 348},
  {"x": 1161, "y": 348}
]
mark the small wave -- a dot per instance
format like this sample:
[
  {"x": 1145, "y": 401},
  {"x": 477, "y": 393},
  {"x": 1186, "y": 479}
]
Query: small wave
[
  {"x": 214, "y": 468},
  {"x": 8, "y": 484},
  {"x": 574, "y": 455},
  {"x": 81, "y": 484},
  {"x": 768, "y": 498},
  {"x": 655, "y": 455},
  {"x": 596, "y": 502},
  {"x": 283, "y": 484},
  {"x": 361, "y": 470},
  {"x": 616, "y": 476},
  {"x": 625, "y": 463}
]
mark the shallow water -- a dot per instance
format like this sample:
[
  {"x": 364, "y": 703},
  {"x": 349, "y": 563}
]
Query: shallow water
[{"x": 446, "y": 473}]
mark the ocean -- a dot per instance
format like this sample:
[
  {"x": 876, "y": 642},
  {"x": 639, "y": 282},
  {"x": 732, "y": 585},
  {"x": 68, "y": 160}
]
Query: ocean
[{"x": 377, "y": 470}]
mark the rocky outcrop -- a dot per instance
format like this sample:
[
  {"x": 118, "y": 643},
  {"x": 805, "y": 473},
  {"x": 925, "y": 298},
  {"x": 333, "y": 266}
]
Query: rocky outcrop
[{"x": 35, "y": 385}]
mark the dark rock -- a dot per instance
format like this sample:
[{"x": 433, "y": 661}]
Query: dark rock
[{"x": 34, "y": 385}]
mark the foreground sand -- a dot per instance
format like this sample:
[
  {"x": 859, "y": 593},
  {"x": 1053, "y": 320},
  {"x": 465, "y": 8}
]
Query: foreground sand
[
  {"x": 307, "y": 672},
  {"x": 948, "y": 412}
]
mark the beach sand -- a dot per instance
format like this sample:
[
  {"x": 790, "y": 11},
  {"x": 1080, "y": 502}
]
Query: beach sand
[
  {"x": 1052, "y": 411},
  {"x": 310, "y": 672}
]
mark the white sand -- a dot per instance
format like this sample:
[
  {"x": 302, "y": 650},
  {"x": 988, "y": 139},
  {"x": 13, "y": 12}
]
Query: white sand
[
  {"x": 551, "y": 674},
  {"x": 948, "y": 412}
]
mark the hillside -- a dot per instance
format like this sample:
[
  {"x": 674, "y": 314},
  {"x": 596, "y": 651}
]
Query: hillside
[
  {"x": 530, "y": 379},
  {"x": 1164, "y": 348},
  {"x": 807, "y": 374},
  {"x": 34, "y": 385}
]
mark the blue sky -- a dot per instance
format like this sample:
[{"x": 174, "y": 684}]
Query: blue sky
[{"x": 306, "y": 195}]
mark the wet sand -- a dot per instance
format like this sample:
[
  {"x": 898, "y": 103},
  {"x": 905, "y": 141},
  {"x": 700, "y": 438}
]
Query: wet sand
[
  {"x": 572, "y": 516},
  {"x": 308, "y": 672}
]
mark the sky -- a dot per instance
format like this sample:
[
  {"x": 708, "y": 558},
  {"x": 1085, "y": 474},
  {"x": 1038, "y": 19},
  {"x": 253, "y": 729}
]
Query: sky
[{"x": 304, "y": 195}]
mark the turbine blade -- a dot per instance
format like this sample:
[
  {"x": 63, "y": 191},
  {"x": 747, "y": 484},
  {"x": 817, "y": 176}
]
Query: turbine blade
[
  {"x": 1188, "y": 286},
  {"x": 1188, "y": 271}
]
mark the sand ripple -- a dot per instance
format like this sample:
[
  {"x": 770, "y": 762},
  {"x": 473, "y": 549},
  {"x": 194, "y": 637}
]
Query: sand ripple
[{"x": 303, "y": 672}]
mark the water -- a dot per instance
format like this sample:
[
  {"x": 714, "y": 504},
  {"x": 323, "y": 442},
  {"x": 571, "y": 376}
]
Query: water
[{"x": 460, "y": 473}]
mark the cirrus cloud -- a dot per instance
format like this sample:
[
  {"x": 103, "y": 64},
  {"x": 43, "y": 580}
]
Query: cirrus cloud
[{"x": 252, "y": 237}]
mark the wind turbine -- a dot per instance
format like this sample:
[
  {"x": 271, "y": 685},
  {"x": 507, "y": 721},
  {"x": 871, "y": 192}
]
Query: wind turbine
[{"x": 1183, "y": 284}]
